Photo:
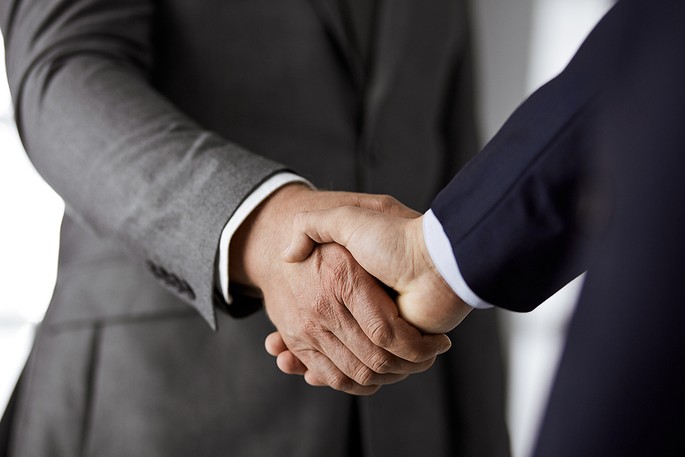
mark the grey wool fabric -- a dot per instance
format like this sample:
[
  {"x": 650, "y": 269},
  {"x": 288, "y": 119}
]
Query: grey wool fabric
[{"x": 154, "y": 120}]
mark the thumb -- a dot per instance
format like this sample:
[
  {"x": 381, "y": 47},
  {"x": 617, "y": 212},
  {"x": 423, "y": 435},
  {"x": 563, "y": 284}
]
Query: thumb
[
  {"x": 300, "y": 247},
  {"x": 321, "y": 226},
  {"x": 387, "y": 205},
  {"x": 309, "y": 228}
]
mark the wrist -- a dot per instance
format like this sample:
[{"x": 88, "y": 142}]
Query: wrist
[
  {"x": 438, "y": 308},
  {"x": 258, "y": 241},
  {"x": 429, "y": 271}
]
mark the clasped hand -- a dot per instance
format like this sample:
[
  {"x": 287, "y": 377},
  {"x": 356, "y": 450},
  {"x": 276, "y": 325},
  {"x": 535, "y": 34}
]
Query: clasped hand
[
  {"x": 373, "y": 239},
  {"x": 336, "y": 323}
]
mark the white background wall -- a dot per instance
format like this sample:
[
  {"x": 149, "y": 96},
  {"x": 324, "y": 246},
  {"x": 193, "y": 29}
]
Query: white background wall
[
  {"x": 520, "y": 45},
  {"x": 30, "y": 213}
]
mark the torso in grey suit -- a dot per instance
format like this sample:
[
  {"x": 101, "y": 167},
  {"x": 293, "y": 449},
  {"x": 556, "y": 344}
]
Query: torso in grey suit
[{"x": 154, "y": 120}]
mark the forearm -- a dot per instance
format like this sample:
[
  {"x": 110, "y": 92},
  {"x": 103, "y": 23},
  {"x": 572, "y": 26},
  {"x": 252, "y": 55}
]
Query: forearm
[
  {"x": 520, "y": 208},
  {"x": 126, "y": 162}
]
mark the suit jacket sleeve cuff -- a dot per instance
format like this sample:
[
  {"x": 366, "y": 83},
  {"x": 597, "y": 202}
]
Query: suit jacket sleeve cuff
[
  {"x": 440, "y": 251},
  {"x": 252, "y": 201}
]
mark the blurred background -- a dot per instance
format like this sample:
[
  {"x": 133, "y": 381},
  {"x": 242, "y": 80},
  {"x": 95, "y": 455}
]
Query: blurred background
[{"x": 519, "y": 46}]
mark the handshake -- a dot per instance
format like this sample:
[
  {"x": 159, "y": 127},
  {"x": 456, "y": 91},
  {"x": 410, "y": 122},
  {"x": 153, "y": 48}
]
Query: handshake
[{"x": 350, "y": 286}]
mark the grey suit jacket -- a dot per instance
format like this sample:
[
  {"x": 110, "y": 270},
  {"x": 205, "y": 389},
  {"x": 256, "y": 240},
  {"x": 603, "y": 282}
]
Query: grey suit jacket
[{"x": 154, "y": 120}]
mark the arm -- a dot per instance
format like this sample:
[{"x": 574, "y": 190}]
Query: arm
[
  {"x": 518, "y": 212},
  {"x": 127, "y": 163},
  {"x": 513, "y": 216},
  {"x": 135, "y": 169},
  {"x": 510, "y": 213}
]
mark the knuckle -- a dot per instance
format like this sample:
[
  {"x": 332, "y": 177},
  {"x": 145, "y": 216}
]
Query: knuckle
[
  {"x": 381, "y": 335},
  {"x": 382, "y": 363},
  {"x": 342, "y": 277},
  {"x": 386, "y": 203},
  {"x": 365, "y": 376},
  {"x": 310, "y": 328},
  {"x": 339, "y": 258},
  {"x": 321, "y": 312},
  {"x": 340, "y": 272},
  {"x": 339, "y": 381}
]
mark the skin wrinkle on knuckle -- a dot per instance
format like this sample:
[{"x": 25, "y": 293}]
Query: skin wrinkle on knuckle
[
  {"x": 375, "y": 325},
  {"x": 339, "y": 381},
  {"x": 320, "y": 310},
  {"x": 310, "y": 332},
  {"x": 338, "y": 267},
  {"x": 383, "y": 363},
  {"x": 301, "y": 351},
  {"x": 341, "y": 283},
  {"x": 366, "y": 377},
  {"x": 386, "y": 203},
  {"x": 381, "y": 334},
  {"x": 319, "y": 368},
  {"x": 355, "y": 288}
]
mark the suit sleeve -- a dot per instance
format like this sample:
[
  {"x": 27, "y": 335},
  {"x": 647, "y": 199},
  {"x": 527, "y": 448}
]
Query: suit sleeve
[
  {"x": 515, "y": 215},
  {"x": 127, "y": 163}
]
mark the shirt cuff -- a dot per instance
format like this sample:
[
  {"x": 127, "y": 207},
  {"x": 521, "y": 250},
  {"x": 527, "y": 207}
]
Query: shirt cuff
[
  {"x": 253, "y": 200},
  {"x": 442, "y": 254}
]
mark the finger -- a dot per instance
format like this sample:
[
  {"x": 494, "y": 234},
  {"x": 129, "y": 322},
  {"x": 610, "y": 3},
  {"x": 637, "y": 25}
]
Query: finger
[
  {"x": 285, "y": 360},
  {"x": 274, "y": 344},
  {"x": 376, "y": 364},
  {"x": 334, "y": 350},
  {"x": 341, "y": 353},
  {"x": 358, "y": 311},
  {"x": 324, "y": 224},
  {"x": 289, "y": 364},
  {"x": 322, "y": 372},
  {"x": 379, "y": 320},
  {"x": 411, "y": 344},
  {"x": 321, "y": 226},
  {"x": 300, "y": 247}
]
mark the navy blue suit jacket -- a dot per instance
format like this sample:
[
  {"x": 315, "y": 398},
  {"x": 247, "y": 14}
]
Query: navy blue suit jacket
[{"x": 588, "y": 174}]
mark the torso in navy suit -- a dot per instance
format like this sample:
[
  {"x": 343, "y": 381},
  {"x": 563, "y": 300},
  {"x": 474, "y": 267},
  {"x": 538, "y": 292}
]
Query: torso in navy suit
[{"x": 588, "y": 174}]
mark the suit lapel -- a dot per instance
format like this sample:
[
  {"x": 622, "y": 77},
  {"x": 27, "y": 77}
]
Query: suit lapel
[
  {"x": 329, "y": 13},
  {"x": 393, "y": 20}
]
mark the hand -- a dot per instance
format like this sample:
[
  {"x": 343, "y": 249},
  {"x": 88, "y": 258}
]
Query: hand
[
  {"x": 391, "y": 248},
  {"x": 331, "y": 315}
]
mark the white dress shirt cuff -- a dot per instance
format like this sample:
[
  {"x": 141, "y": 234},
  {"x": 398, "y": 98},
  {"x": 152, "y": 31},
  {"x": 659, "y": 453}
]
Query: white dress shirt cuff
[
  {"x": 253, "y": 200},
  {"x": 440, "y": 251}
]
